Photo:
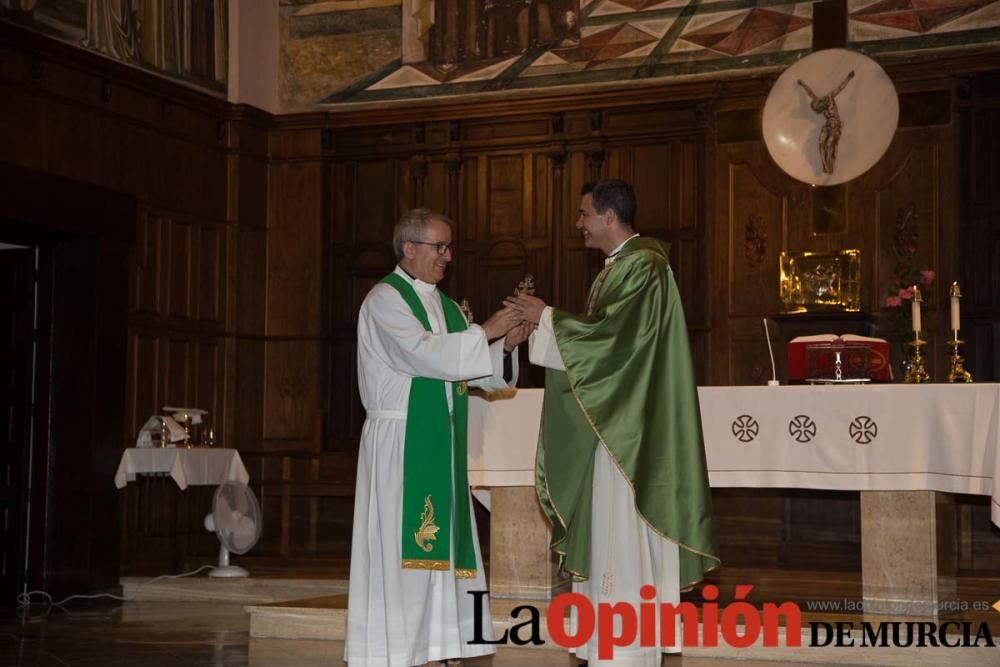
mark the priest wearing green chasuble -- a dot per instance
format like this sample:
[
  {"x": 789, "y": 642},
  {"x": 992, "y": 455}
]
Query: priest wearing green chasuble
[
  {"x": 414, "y": 551},
  {"x": 620, "y": 468}
]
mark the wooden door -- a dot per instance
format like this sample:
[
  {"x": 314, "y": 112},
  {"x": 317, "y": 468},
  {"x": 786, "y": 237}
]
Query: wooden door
[{"x": 17, "y": 297}]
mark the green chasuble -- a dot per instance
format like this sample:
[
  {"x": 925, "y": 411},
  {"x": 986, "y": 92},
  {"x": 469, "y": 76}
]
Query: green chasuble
[
  {"x": 435, "y": 461},
  {"x": 629, "y": 383}
]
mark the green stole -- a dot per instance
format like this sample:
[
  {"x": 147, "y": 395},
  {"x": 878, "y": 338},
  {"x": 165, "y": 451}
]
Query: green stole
[
  {"x": 629, "y": 386},
  {"x": 435, "y": 460}
]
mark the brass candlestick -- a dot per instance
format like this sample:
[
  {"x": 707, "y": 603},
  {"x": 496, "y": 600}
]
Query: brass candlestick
[
  {"x": 957, "y": 372},
  {"x": 917, "y": 373}
]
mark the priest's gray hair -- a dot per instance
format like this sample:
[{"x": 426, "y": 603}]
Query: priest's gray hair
[{"x": 412, "y": 225}]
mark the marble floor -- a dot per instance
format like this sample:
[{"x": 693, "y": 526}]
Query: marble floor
[
  {"x": 157, "y": 633},
  {"x": 176, "y": 634}
]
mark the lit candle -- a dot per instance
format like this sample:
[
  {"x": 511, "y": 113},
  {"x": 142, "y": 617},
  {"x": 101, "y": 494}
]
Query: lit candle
[
  {"x": 956, "y": 294},
  {"x": 915, "y": 309}
]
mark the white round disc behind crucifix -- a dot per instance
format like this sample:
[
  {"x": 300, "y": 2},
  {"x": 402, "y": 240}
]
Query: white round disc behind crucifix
[{"x": 830, "y": 117}]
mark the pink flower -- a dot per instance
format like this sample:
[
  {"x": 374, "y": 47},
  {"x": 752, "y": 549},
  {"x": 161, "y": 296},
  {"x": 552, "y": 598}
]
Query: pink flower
[
  {"x": 893, "y": 301},
  {"x": 906, "y": 293},
  {"x": 926, "y": 277}
]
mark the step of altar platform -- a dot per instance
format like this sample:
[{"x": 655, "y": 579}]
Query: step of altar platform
[
  {"x": 249, "y": 590},
  {"x": 325, "y": 618}
]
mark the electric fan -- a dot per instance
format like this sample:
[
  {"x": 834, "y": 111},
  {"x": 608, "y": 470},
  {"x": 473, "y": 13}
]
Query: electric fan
[{"x": 235, "y": 518}]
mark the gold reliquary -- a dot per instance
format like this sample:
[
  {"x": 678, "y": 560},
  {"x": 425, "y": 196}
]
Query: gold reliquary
[{"x": 820, "y": 282}]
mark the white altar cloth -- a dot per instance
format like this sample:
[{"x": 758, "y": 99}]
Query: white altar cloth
[
  {"x": 932, "y": 437},
  {"x": 195, "y": 466}
]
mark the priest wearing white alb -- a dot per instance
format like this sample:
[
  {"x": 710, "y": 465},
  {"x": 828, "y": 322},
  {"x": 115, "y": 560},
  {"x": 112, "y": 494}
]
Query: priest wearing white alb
[{"x": 414, "y": 551}]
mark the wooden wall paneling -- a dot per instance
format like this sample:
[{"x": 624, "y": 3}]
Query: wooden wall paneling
[
  {"x": 557, "y": 214},
  {"x": 749, "y": 525},
  {"x": 980, "y": 229},
  {"x": 377, "y": 200},
  {"x": 248, "y": 398},
  {"x": 210, "y": 288},
  {"x": 577, "y": 264},
  {"x": 981, "y": 136},
  {"x": 508, "y": 199},
  {"x": 409, "y": 175},
  {"x": 489, "y": 132},
  {"x": 436, "y": 187},
  {"x": 25, "y": 112},
  {"x": 291, "y": 399},
  {"x": 179, "y": 153},
  {"x": 537, "y": 172},
  {"x": 208, "y": 381},
  {"x": 179, "y": 265},
  {"x": 147, "y": 265},
  {"x": 294, "y": 250},
  {"x": 178, "y": 371},
  {"x": 749, "y": 361},
  {"x": 346, "y": 415},
  {"x": 295, "y": 287},
  {"x": 472, "y": 201},
  {"x": 455, "y": 194},
  {"x": 144, "y": 383},
  {"x": 762, "y": 212},
  {"x": 665, "y": 176},
  {"x": 756, "y": 209},
  {"x": 907, "y": 197},
  {"x": 243, "y": 425}
]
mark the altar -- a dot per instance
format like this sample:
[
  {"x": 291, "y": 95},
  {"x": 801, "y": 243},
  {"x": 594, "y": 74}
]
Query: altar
[{"x": 905, "y": 447}]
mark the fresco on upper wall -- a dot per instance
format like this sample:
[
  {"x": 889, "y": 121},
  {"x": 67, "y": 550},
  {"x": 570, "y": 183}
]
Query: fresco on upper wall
[
  {"x": 449, "y": 47},
  {"x": 185, "y": 40},
  {"x": 879, "y": 26},
  {"x": 349, "y": 51}
]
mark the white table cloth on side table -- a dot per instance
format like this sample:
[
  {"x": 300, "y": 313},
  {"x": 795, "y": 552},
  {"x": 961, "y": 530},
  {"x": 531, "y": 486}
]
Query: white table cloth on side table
[{"x": 188, "y": 467}]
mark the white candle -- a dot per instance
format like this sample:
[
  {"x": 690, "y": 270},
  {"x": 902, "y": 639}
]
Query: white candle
[
  {"x": 956, "y": 323},
  {"x": 915, "y": 309}
]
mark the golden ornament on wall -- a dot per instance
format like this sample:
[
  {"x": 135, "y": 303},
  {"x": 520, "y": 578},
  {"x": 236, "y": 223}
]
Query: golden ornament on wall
[{"x": 820, "y": 282}]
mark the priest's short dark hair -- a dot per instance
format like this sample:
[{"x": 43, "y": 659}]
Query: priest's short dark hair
[{"x": 615, "y": 194}]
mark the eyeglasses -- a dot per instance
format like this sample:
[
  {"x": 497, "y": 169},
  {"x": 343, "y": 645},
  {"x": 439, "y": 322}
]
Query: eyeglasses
[{"x": 441, "y": 246}]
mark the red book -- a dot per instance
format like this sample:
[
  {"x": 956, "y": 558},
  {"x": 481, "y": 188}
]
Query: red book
[{"x": 815, "y": 358}]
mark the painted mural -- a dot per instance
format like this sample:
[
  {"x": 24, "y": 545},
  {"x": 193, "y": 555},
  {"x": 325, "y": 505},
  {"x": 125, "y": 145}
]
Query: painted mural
[
  {"x": 182, "y": 39},
  {"x": 880, "y": 26},
  {"x": 388, "y": 50}
]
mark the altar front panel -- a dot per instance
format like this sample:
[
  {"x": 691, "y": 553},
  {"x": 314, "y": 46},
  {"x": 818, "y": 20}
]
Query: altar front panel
[{"x": 867, "y": 438}]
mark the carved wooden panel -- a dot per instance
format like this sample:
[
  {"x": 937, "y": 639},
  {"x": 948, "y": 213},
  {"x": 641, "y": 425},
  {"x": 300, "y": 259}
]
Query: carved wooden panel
[
  {"x": 209, "y": 288},
  {"x": 248, "y": 394},
  {"x": 375, "y": 193},
  {"x": 208, "y": 385},
  {"x": 147, "y": 265},
  {"x": 295, "y": 250},
  {"x": 666, "y": 176},
  {"x": 759, "y": 207},
  {"x": 143, "y": 381},
  {"x": 177, "y": 371},
  {"x": 178, "y": 262},
  {"x": 345, "y": 414},
  {"x": 291, "y": 402},
  {"x": 505, "y": 187},
  {"x": 250, "y": 266},
  {"x": 980, "y": 229},
  {"x": 756, "y": 206},
  {"x": 902, "y": 198},
  {"x": 436, "y": 184}
]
